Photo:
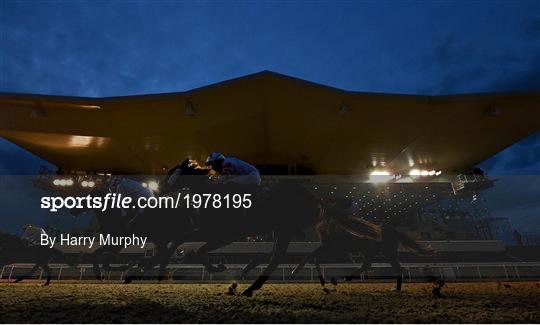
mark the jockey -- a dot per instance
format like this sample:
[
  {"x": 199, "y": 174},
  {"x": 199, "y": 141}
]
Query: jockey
[
  {"x": 32, "y": 234},
  {"x": 233, "y": 170}
]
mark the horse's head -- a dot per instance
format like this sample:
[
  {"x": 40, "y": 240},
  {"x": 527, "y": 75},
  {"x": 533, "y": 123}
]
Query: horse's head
[
  {"x": 178, "y": 177},
  {"x": 190, "y": 167}
]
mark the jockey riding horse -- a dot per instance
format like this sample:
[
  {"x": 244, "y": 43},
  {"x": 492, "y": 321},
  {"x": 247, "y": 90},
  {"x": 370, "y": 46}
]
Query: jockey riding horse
[{"x": 286, "y": 210}]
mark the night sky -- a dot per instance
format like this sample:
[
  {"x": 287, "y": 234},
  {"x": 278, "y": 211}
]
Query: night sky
[{"x": 125, "y": 48}]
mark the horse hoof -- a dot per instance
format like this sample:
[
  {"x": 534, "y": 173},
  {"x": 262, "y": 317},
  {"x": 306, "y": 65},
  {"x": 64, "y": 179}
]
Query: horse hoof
[
  {"x": 127, "y": 281},
  {"x": 247, "y": 293},
  {"x": 17, "y": 281},
  {"x": 45, "y": 284},
  {"x": 348, "y": 278},
  {"x": 326, "y": 291}
]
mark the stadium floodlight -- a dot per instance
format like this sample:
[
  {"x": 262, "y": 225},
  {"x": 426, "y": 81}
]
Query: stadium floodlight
[
  {"x": 91, "y": 184},
  {"x": 63, "y": 182},
  {"x": 380, "y": 176},
  {"x": 84, "y": 183},
  {"x": 431, "y": 172},
  {"x": 69, "y": 182},
  {"x": 414, "y": 172},
  {"x": 380, "y": 173},
  {"x": 153, "y": 185},
  {"x": 56, "y": 182},
  {"x": 144, "y": 184},
  {"x": 438, "y": 173}
]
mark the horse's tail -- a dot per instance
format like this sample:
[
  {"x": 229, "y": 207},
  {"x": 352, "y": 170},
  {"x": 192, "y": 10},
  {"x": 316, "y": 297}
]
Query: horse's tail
[{"x": 406, "y": 241}]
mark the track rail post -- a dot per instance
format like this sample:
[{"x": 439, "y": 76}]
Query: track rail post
[
  {"x": 60, "y": 273},
  {"x": 11, "y": 272}
]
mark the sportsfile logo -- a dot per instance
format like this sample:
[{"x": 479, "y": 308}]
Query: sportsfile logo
[{"x": 120, "y": 201}]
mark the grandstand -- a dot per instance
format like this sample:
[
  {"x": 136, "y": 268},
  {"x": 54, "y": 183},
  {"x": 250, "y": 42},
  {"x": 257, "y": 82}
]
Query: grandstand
[{"x": 404, "y": 160}]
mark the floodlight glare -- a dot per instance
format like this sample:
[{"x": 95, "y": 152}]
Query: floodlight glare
[
  {"x": 153, "y": 185},
  {"x": 414, "y": 172},
  {"x": 380, "y": 176}
]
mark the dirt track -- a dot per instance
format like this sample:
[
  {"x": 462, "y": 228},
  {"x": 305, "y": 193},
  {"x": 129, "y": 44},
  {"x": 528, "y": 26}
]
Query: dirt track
[{"x": 356, "y": 303}]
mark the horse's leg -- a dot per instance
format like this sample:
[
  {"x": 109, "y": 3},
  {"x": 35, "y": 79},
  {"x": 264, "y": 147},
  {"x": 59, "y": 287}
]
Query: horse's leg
[
  {"x": 396, "y": 266},
  {"x": 27, "y": 274},
  {"x": 365, "y": 266},
  {"x": 256, "y": 260},
  {"x": 95, "y": 260},
  {"x": 305, "y": 260},
  {"x": 48, "y": 272},
  {"x": 319, "y": 273},
  {"x": 389, "y": 249},
  {"x": 279, "y": 250},
  {"x": 97, "y": 271},
  {"x": 208, "y": 247},
  {"x": 127, "y": 277},
  {"x": 164, "y": 257}
]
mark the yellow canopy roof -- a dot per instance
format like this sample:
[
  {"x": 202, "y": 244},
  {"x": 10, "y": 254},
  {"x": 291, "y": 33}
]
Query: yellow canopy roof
[{"x": 268, "y": 118}]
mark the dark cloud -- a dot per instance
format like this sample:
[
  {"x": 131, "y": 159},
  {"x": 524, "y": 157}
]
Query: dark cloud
[
  {"x": 531, "y": 29},
  {"x": 516, "y": 197},
  {"x": 452, "y": 52}
]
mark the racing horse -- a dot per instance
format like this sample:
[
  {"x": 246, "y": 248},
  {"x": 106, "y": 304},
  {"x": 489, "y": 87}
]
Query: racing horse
[
  {"x": 163, "y": 227},
  {"x": 13, "y": 249},
  {"x": 109, "y": 221},
  {"x": 341, "y": 233},
  {"x": 285, "y": 209}
]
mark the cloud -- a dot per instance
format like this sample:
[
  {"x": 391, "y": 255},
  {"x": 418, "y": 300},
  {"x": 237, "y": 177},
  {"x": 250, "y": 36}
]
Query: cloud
[
  {"x": 531, "y": 29},
  {"x": 516, "y": 197},
  {"x": 523, "y": 158}
]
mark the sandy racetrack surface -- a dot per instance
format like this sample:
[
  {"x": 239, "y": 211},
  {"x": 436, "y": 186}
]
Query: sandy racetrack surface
[{"x": 290, "y": 303}]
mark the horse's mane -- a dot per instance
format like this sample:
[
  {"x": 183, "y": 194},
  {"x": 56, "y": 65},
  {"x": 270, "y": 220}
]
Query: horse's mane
[
  {"x": 362, "y": 228},
  {"x": 334, "y": 225}
]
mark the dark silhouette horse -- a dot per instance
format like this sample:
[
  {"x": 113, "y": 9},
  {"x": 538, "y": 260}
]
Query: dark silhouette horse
[
  {"x": 166, "y": 228},
  {"x": 341, "y": 234},
  {"x": 111, "y": 222},
  {"x": 163, "y": 227},
  {"x": 285, "y": 209},
  {"x": 14, "y": 249}
]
